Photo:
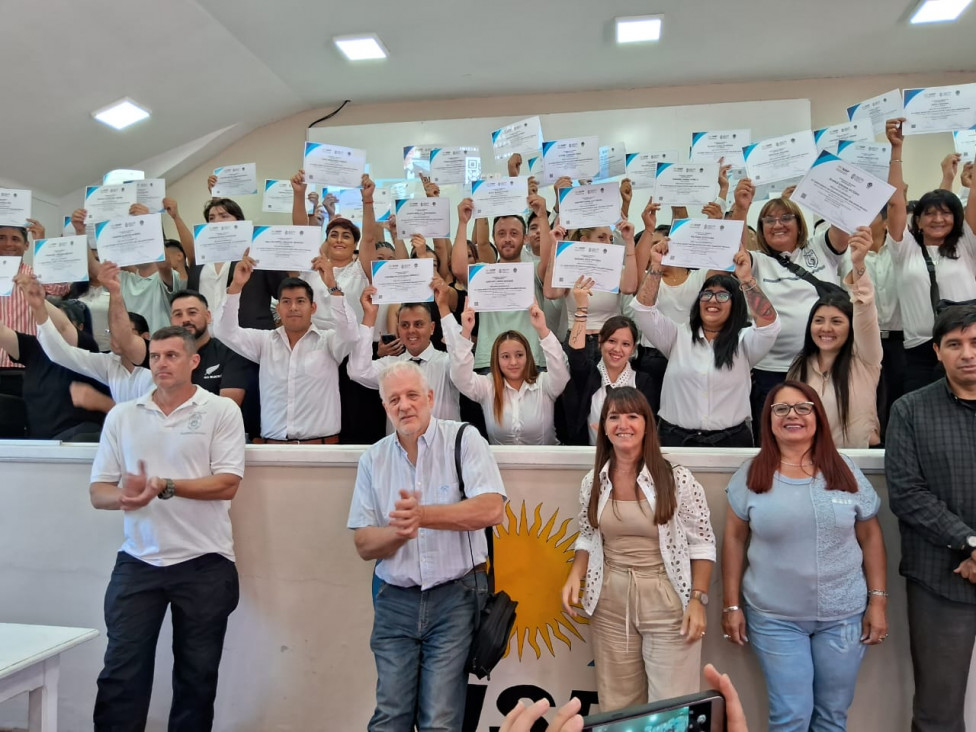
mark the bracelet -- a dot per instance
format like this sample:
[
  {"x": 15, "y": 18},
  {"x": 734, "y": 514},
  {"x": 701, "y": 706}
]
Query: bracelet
[
  {"x": 894, "y": 161},
  {"x": 652, "y": 273},
  {"x": 368, "y": 202},
  {"x": 731, "y": 609},
  {"x": 877, "y": 593}
]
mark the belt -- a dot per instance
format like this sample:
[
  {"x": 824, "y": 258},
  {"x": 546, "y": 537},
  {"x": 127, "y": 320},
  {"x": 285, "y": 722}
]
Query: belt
[
  {"x": 330, "y": 440},
  {"x": 892, "y": 335}
]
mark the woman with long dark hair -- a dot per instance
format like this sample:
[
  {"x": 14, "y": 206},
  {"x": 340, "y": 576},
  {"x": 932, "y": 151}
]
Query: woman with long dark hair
[
  {"x": 646, "y": 550},
  {"x": 705, "y": 397},
  {"x": 812, "y": 594}
]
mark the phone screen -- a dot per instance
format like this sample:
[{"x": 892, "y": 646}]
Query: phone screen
[
  {"x": 697, "y": 717},
  {"x": 388, "y": 337}
]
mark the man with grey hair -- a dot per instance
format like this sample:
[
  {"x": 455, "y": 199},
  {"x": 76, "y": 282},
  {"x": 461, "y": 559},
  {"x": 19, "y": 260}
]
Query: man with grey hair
[{"x": 407, "y": 512}]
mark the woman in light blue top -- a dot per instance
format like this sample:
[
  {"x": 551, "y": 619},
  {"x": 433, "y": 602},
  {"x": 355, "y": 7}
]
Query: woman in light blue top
[{"x": 813, "y": 594}]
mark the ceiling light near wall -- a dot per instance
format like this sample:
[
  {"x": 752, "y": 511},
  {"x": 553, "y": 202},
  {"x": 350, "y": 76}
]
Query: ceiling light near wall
[
  {"x": 939, "y": 11},
  {"x": 639, "y": 29},
  {"x": 121, "y": 114},
  {"x": 361, "y": 48}
]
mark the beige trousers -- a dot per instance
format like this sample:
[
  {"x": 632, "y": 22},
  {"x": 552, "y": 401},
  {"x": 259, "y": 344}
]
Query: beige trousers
[{"x": 638, "y": 651}]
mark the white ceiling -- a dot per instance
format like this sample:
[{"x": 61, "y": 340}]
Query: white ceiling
[{"x": 212, "y": 70}]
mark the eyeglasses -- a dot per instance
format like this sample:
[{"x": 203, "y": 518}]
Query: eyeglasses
[
  {"x": 707, "y": 295},
  {"x": 773, "y": 220},
  {"x": 802, "y": 409}
]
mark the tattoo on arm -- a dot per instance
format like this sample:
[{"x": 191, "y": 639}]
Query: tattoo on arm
[{"x": 759, "y": 304}]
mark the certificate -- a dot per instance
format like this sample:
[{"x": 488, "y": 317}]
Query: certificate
[
  {"x": 523, "y": 137},
  {"x": 130, "y": 240},
  {"x": 501, "y": 287},
  {"x": 429, "y": 217},
  {"x": 613, "y": 160},
  {"x": 416, "y": 160},
  {"x": 578, "y": 158},
  {"x": 503, "y": 197},
  {"x": 877, "y": 110},
  {"x": 455, "y": 165},
  {"x": 64, "y": 259},
  {"x": 403, "y": 280},
  {"x": 334, "y": 165},
  {"x": 278, "y": 196},
  {"x": 285, "y": 248},
  {"x": 9, "y": 267},
  {"x": 641, "y": 169},
  {"x": 686, "y": 184},
  {"x": 708, "y": 147},
  {"x": 828, "y": 137},
  {"x": 585, "y": 206},
  {"x": 871, "y": 157},
  {"x": 15, "y": 207},
  {"x": 965, "y": 144},
  {"x": 601, "y": 262},
  {"x": 844, "y": 195},
  {"x": 150, "y": 192},
  {"x": 703, "y": 243},
  {"x": 780, "y": 158},
  {"x": 223, "y": 241},
  {"x": 236, "y": 180},
  {"x": 940, "y": 109},
  {"x": 109, "y": 202}
]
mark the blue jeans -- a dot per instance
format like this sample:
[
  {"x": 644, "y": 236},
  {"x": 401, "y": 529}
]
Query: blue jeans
[
  {"x": 420, "y": 642},
  {"x": 810, "y": 668}
]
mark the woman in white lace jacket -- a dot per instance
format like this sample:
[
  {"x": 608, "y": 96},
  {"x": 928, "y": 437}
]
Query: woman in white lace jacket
[{"x": 646, "y": 550}]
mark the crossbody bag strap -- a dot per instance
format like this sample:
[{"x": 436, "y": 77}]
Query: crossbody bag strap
[
  {"x": 489, "y": 533},
  {"x": 933, "y": 283},
  {"x": 803, "y": 274}
]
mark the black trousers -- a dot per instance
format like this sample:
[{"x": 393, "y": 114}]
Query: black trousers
[
  {"x": 922, "y": 367},
  {"x": 763, "y": 382},
  {"x": 201, "y": 593},
  {"x": 673, "y": 436}
]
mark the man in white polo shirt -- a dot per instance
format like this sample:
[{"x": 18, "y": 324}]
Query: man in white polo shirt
[{"x": 172, "y": 461}]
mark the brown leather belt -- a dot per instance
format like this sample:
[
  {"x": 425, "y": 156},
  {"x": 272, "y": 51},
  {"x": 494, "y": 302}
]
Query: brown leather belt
[{"x": 330, "y": 440}]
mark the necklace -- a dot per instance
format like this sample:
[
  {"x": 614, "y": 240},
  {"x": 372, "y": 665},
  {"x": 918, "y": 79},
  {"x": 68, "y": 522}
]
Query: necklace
[
  {"x": 797, "y": 465},
  {"x": 707, "y": 330}
]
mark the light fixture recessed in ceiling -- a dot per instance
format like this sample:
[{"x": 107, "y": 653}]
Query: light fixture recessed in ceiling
[
  {"x": 121, "y": 114},
  {"x": 639, "y": 29},
  {"x": 365, "y": 47},
  {"x": 939, "y": 11}
]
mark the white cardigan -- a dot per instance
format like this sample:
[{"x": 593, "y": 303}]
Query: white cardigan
[{"x": 688, "y": 535}]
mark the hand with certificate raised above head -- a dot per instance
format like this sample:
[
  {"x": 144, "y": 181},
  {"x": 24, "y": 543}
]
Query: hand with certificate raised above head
[
  {"x": 626, "y": 196},
  {"x": 860, "y": 243},
  {"x": 533, "y": 185},
  {"x": 211, "y": 182},
  {"x": 895, "y": 134},
  {"x": 723, "y": 177},
  {"x": 368, "y": 190},
  {"x": 465, "y": 210},
  {"x": 242, "y": 273},
  {"x": 138, "y": 209},
  {"x": 745, "y": 191},
  {"x": 649, "y": 214},
  {"x": 712, "y": 211},
  {"x": 514, "y": 165},
  {"x": 35, "y": 229},
  {"x": 78, "y": 218},
  {"x": 950, "y": 168},
  {"x": 298, "y": 184},
  {"x": 787, "y": 192},
  {"x": 966, "y": 179},
  {"x": 564, "y": 182},
  {"x": 431, "y": 189},
  {"x": 323, "y": 265}
]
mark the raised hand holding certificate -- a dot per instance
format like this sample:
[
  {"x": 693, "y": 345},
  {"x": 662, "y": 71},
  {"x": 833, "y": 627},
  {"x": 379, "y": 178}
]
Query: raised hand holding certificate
[
  {"x": 871, "y": 157},
  {"x": 150, "y": 192},
  {"x": 578, "y": 158},
  {"x": 686, "y": 184},
  {"x": 109, "y": 202},
  {"x": 429, "y": 217},
  {"x": 501, "y": 287},
  {"x": 223, "y": 241},
  {"x": 285, "y": 248},
  {"x": 455, "y": 165},
  {"x": 703, "y": 243},
  {"x": 334, "y": 165},
  {"x": 780, "y": 158},
  {"x": 15, "y": 207},
  {"x": 641, "y": 169},
  {"x": 828, "y": 137},
  {"x": 708, "y": 147},
  {"x": 9, "y": 267},
  {"x": 403, "y": 280},
  {"x": 524, "y": 137},
  {"x": 600, "y": 262},
  {"x": 63, "y": 259},
  {"x": 613, "y": 160},
  {"x": 131, "y": 240},
  {"x": 235, "y": 180},
  {"x": 877, "y": 110},
  {"x": 502, "y": 197},
  {"x": 278, "y": 196},
  {"x": 845, "y": 196},
  {"x": 964, "y": 142},
  {"x": 940, "y": 109},
  {"x": 586, "y": 206}
]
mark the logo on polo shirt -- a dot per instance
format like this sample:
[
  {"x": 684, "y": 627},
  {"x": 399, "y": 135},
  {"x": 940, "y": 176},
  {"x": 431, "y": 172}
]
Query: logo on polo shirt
[
  {"x": 213, "y": 372},
  {"x": 811, "y": 258},
  {"x": 193, "y": 424}
]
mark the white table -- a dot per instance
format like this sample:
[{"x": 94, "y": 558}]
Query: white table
[{"x": 30, "y": 657}]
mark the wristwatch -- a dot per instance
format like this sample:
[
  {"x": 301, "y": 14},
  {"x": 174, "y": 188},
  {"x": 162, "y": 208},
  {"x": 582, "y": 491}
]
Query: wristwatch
[
  {"x": 169, "y": 491},
  {"x": 970, "y": 545},
  {"x": 701, "y": 596}
]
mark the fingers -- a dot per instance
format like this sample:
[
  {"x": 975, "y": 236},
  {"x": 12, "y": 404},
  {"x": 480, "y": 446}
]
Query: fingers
[{"x": 566, "y": 714}]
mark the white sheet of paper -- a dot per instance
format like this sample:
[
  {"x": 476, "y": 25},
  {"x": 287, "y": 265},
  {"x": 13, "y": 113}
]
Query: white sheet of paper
[
  {"x": 334, "y": 165},
  {"x": 236, "y": 180},
  {"x": 780, "y": 158},
  {"x": 578, "y": 158},
  {"x": 877, "y": 110},
  {"x": 686, "y": 184},
  {"x": 416, "y": 160},
  {"x": 586, "y": 206},
  {"x": 703, "y": 243},
  {"x": 613, "y": 160},
  {"x": 150, "y": 192},
  {"x": 844, "y": 195},
  {"x": 964, "y": 142},
  {"x": 828, "y": 137},
  {"x": 15, "y": 207},
  {"x": 708, "y": 147},
  {"x": 871, "y": 157},
  {"x": 429, "y": 217},
  {"x": 285, "y": 248},
  {"x": 501, "y": 287},
  {"x": 104, "y": 203},
  {"x": 939, "y": 109},
  {"x": 277, "y": 197},
  {"x": 350, "y": 204},
  {"x": 455, "y": 165},
  {"x": 523, "y": 137},
  {"x": 62, "y": 259},
  {"x": 9, "y": 267},
  {"x": 502, "y": 197},
  {"x": 223, "y": 241},
  {"x": 403, "y": 280},
  {"x": 641, "y": 169},
  {"x": 130, "y": 240},
  {"x": 600, "y": 262}
]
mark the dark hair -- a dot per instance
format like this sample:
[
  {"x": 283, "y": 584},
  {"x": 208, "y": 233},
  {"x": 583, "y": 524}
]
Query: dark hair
[
  {"x": 425, "y": 306},
  {"x": 293, "y": 283},
  {"x": 529, "y": 374},
  {"x": 189, "y": 293},
  {"x": 801, "y": 224},
  {"x": 956, "y": 317},
  {"x": 840, "y": 371},
  {"x": 823, "y": 454},
  {"x": 385, "y": 245},
  {"x": 532, "y": 217},
  {"x": 494, "y": 223},
  {"x": 76, "y": 311},
  {"x": 173, "y": 244},
  {"x": 139, "y": 322},
  {"x": 21, "y": 229},
  {"x": 340, "y": 223},
  {"x": 615, "y": 323},
  {"x": 726, "y": 344},
  {"x": 663, "y": 229},
  {"x": 939, "y": 198},
  {"x": 627, "y": 400},
  {"x": 177, "y": 331},
  {"x": 229, "y": 205}
]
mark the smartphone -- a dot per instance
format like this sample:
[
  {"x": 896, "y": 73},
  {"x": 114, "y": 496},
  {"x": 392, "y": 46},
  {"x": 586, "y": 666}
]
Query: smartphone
[
  {"x": 704, "y": 712},
  {"x": 388, "y": 337}
]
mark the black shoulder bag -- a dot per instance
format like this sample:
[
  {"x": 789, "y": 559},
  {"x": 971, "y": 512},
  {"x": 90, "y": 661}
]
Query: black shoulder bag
[
  {"x": 938, "y": 304},
  {"x": 824, "y": 289},
  {"x": 494, "y": 626}
]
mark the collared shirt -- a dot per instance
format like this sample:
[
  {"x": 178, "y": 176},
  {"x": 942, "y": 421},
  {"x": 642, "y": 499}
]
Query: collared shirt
[
  {"x": 351, "y": 279},
  {"x": 435, "y": 556},
  {"x": 674, "y": 301},
  {"x": 930, "y": 464},
  {"x": 300, "y": 386},
  {"x": 149, "y": 296},
  {"x": 16, "y": 314},
  {"x": 204, "y": 436}
]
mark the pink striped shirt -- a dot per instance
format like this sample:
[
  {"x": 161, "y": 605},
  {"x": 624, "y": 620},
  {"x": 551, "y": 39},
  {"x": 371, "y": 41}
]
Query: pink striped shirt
[{"x": 15, "y": 313}]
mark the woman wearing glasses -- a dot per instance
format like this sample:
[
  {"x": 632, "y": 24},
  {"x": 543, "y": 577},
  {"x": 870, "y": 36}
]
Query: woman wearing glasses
[
  {"x": 705, "y": 397},
  {"x": 812, "y": 594}
]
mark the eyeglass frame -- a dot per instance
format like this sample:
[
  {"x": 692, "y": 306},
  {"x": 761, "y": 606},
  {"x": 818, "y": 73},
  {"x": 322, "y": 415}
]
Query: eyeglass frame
[
  {"x": 793, "y": 408},
  {"x": 709, "y": 295},
  {"x": 783, "y": 219}
]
